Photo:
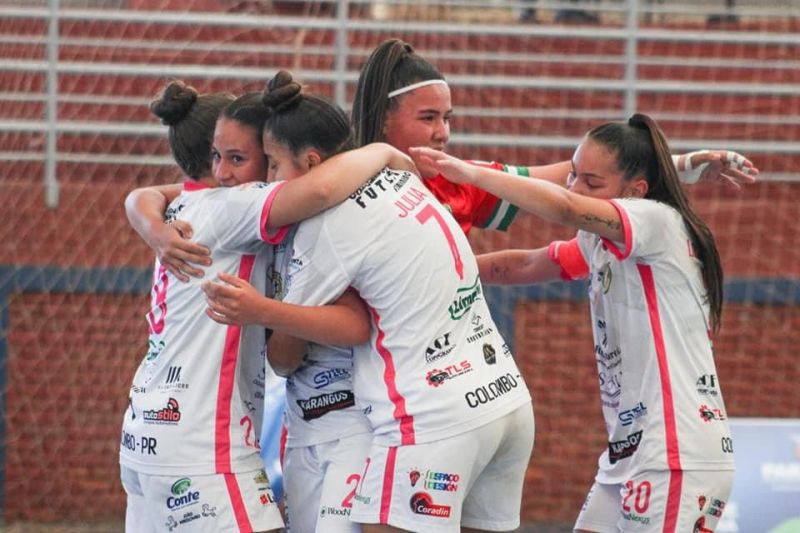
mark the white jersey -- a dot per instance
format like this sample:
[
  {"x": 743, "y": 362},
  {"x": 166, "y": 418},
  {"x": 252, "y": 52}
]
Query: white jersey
[
  {"x": 196, "y": 400},
  {"x": 436, "y": 365},
  {"x": 661, "y": 399},
  {"x": 320, "y": 402}
]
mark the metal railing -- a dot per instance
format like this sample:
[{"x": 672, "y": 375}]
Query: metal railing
[{"x": 623, "y": 26}]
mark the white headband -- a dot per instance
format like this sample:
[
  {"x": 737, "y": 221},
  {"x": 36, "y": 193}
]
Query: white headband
[{"x": 413, "y": 86}]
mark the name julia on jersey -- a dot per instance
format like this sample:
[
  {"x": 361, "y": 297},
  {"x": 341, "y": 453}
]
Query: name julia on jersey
[{"x": 389, "y": 180}]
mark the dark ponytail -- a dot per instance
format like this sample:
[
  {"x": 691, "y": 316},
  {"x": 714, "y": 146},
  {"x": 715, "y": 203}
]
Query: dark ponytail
[
  {"x": 642, "y": 150},
  {"x": 191, "y": 119}
]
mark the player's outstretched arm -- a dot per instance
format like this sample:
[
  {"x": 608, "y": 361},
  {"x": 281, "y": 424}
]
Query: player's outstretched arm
[
  {"x": 540, "y": 197},
  {"x": 145, "y": 208},
  {"x": 234, "y": 301},
  {"x": 723, "y": 166},
  {"x": 517, "y": 267},
  {"x": 332, "y": 181}
]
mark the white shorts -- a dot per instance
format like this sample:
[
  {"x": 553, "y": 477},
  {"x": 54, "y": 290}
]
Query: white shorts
[
  {"x": 472, "y": 480},
  {"x": 691, "y": 501},
  {"x": 210, "y": 503},
  {"x": 320, "y": 483}
]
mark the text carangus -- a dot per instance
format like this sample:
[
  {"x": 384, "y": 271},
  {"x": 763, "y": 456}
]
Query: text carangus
[
  {"x": 316, "y": 406},
  {"x": 491, "y": 391}
]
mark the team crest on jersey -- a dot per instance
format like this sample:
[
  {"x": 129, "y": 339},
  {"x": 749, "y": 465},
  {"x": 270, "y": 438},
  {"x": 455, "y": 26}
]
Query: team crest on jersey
[
  {"x": 277, "y": 283},
  {"x": 489, "y": 354},
  {"x": 261, "y": 479},
  {"x": 604, "y": 277}
]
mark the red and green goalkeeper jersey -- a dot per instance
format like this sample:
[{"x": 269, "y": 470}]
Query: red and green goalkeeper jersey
[{"x": 471, "y": 206}]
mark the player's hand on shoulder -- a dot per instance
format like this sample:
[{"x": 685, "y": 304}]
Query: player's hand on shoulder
[
  {"x": 400, "y": 161},
  {"x": 177, "y": 253}
]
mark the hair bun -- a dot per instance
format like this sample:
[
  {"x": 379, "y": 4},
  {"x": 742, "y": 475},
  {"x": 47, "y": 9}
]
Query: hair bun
[
  {"x": 281, "y": 92},
  {"x": 174, "y": 103}
]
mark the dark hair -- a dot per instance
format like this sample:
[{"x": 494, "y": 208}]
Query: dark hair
[
  {"x": 299, "y": 120},
  {"x": 642, "y": 150},
  {"x": 248, "y": 110},
  {"x": 191, "y": 119},
  {"x": 391, "y": 66}
]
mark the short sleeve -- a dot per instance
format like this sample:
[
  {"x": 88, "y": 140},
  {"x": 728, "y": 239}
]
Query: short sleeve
[
  {"x": 491, "y": 212},
  {"x": 646, "y": 225},
  {"x": 237, "y": 216},
  {"x": 570, "y": 257}
]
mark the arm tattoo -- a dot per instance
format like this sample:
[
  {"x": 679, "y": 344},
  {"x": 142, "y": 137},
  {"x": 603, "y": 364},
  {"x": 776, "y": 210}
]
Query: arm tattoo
[
  {"x": 613, "y": 224},
  {"x": 499, "y": 271}
]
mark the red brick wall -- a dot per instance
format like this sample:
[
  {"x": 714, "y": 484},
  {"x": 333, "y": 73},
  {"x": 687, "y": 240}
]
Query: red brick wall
[
  {"x": 71, "y": 356},
  {"x": 756, "y": 364}
]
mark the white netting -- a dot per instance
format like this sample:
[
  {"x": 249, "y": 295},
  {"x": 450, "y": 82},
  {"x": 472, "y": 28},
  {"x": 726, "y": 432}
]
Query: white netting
[{"x": 528, "y": 78}]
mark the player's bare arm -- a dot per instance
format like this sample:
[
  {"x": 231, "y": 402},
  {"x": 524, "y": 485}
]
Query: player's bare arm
[
  {"x": 517, "y": 267},
  {"x": 332, "y": 182},
  {"x": 611, "y": 223},
  {"x": 234, "y": 301},
  {"x": 723, "y": 166},
  {"x": 540, "y": 197},
  {"x": 171, "y": 242},
  {"x": 285, "y": 353}
]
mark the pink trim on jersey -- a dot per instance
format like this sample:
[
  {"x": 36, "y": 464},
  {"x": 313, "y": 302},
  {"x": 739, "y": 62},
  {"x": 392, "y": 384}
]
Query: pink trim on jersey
[
  {"x": 281, "y": 233},
  {"x": 407, "y": 435},
  {"x": 388, "y": 482},
  {"x": 239, "y": 509},
  {"x": 227, "y": 378},
  {"x": 670, "y": 425},
  {"x": 673, "y": 501},
  {"x": 567, "y": 255},
  {"x": 191, "y": 185},
  {"x": 282, "y": 444},
  {"x": 626, "y": 228}
]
